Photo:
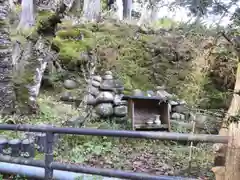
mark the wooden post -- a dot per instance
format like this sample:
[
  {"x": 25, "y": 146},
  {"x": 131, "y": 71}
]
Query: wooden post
[
  {"x": 231, "y": 170},
  {"x": 131, "y": 112},
  {"x": 233, "y": 110},
  {"x": 233, "y": 153},
  {"x": 219, "y": 172}
]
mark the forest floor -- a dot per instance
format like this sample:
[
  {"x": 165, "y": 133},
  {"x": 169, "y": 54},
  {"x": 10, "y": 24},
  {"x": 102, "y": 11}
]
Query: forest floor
[{"x": 149, "y": 156}]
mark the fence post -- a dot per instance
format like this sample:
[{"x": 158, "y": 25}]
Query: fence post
[
  {"x": 232, "y": 166},
  {"x": 48, "y": 155}
]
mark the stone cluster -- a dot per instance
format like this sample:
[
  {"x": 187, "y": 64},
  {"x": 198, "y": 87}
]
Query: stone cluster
[
  {"x": 105, "y": 94},
  {"x": 160, "y": 92},
  {"x": 178, "y": 110}
]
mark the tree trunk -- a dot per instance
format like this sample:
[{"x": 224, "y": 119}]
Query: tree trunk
[
  {"x": 233, "y": 153},
  {"x": 6, "y": 67},
  {"x": 76, "y": 6},
  {"x": 127, "y": 9},
  {"x": 33, "y": 63},
  {"x": 233, "y": 111},
  {"x": 27, "y": 19},
  {"x": 119, "y": 12},
  {"x": 90, "y": 13},
  {"x": 144, "y": 14},
  {"x": 154, "y": 12}
]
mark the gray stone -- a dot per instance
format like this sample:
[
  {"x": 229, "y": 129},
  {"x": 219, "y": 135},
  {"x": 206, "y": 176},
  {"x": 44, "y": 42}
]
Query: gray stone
[
  {"x": 93, "y": 91},
  {"x": 108, "y": 73},
  {"x": 112, "y": 85},
  {"x": 179, "y": 109},
  {"x": 97, "y": 78},
  {"x": 95, "y": 83},
  {"x": 104, "y": 109},
  {"x": 120, "y": 111},
  {"x": 107, "y": 77},
  {"x": 137, "y": 92},
  {"x": 182, "y": 116},
  {"x": 69, "y": 84},
  {"x": 107, "y": 85},
  {"x": 117, "y": 99},
  {"x": 90, "y": 99},
  {"x": 105, "y": 96},
  {"x": 66, "y": 96},
  {"x": 175, "y": 116}
]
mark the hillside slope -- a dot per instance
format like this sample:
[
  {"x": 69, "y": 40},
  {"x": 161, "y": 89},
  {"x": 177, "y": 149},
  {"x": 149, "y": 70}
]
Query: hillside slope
[{"x": 189, "y": 64}]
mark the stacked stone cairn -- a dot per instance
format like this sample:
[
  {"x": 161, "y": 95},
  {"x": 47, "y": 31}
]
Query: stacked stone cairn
[{"x": 105, "y": 94}]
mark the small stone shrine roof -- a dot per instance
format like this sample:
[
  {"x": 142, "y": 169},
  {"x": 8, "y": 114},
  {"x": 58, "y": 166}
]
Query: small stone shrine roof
[{"x": 126, "y": 97}]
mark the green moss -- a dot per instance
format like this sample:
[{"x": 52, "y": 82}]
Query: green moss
[
  {"x": 70, "y": 50},
  {"x": 70, "y": 47},
  {"x": 21, "y": 90},
  {"x": 73, "y": 33},
  {"x": 44, "y": 14}
]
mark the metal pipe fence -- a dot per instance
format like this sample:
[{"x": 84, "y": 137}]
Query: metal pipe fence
[{"x": 50, "y": 165}]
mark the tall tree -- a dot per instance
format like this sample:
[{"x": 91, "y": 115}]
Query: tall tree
[
  {"x": 127, "y": 9},
  {"x": 27, "y": 19},
  {"x": 119, "y": 9},
  {"x": 90, "y": 13},
  {"x": 144, "y": 14}
]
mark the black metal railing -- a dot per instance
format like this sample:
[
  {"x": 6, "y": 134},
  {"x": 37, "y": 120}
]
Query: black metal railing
[{"x": 49, "y": 165}]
